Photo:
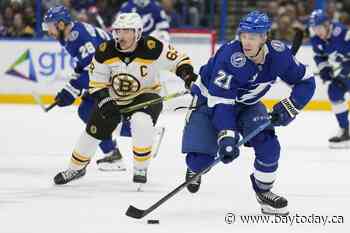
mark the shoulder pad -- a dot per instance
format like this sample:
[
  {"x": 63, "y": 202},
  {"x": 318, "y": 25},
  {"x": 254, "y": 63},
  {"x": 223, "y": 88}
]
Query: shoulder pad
[
  {"x": 277, "y": 45},
  {"x": 150, "y": 48}
]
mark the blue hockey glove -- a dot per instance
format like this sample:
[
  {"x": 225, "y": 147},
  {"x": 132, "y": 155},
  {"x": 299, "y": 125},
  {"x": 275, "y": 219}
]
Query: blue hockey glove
[
  {"x": 326, "y": 74},
  {"x": 227, "y": 141},
  {"x": 283, "y": 112},
  {"x": 67, "y": 95}
]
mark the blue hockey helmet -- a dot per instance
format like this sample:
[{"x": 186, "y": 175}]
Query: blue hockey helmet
[
  {"x": 141, "y": 3},
  {"x": 317, "y": 18},
  {"x": 56, "y": 14},
  {"x": 255, "y": 22}
]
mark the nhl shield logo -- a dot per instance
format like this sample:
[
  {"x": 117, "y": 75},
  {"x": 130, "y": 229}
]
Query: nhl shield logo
[{"x": 238, "y": 59}]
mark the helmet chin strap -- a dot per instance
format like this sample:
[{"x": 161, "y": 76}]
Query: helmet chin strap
[{"x": 257, "y": 53}]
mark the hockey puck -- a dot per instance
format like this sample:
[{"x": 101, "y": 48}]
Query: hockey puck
[{"x": 152, "y": 221}]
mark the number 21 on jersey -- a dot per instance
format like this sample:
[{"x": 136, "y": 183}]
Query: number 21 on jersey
[{"x": 223, "y": 80}]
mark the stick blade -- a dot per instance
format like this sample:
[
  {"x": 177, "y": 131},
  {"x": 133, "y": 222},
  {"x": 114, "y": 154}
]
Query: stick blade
[{"x": 134, "y": 212}]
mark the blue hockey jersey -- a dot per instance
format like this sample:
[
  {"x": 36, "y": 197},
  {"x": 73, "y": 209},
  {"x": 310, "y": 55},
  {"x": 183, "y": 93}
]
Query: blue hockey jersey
[
  {"x": 153, "y": 16},
  {"x": 230, "y": 78},
  {"x": 81, "y": 44},
  {"x": 336, "y": 47}
]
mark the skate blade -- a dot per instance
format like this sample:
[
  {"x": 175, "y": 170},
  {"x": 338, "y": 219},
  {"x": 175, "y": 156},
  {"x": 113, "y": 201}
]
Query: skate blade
[
  {"x": 268, "y": 210},
  {"x": 339, "y": 145}
]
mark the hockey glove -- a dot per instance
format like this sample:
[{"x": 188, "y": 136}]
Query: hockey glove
[
  {"x": 106, "y": 104},
  {"x": 326, "y": 74},
  {"x": 283, "y": 112},
  {"x": 185, "y": 72},
  {"x": 227, "y": 141},
  {"x": 67, "y": 95}
]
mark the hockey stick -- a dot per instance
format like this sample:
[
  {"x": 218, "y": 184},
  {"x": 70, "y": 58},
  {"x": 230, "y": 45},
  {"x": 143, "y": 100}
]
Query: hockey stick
[
  {"x": 154, "y": 101},
  {"x": 38, "y": 100},
  {"x": 297, "y": 41},
  {"x": 139, "y": 213}
]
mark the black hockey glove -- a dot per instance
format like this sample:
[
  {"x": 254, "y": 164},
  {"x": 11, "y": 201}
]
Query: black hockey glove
[
  {"x": 106, "y": 104},
  {"x": 185, "y": 72},
  {"x": 283, "y": 112}
]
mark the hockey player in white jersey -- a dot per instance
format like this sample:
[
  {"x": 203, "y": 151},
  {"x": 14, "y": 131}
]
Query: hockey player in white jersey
[{"x": 124, "y": 72}]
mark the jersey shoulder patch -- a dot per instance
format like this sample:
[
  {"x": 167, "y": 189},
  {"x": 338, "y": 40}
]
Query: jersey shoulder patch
[
  {"x": 238, "y": 59},
  {"x": 105, "y": 51},
  {"x": 149, "y": 48},
  {"x": 102, "y": 47},
  {"x": 277, "y": 45},
  {"x": 73, "y": 35},
  {"x": 337, "y": 31}
]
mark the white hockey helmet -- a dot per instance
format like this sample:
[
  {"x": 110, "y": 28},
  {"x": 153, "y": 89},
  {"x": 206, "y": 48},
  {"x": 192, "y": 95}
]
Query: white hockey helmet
[
  {"x": 141, "y": 3},
  {"x": 128, "y": 21}
]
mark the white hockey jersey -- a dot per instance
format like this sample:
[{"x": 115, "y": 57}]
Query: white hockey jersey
[{"x": 128, "y": 75}]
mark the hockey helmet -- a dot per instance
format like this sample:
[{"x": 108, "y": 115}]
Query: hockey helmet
[
  {"x": 317, "y": 18},
  {"x": 128, "y": 21},
  {"x": 141, "y": 3},
  {"x": 55, "y": 15},
  {"x": 255, "y": 22}
]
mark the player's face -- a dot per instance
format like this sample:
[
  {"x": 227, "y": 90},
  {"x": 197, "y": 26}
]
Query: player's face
[
  {"x": 251, "y": 43},
  {"x": 321, "y": 31},
  {"x": 126, "y": 38},
  {"x": 52, "y": 30}
]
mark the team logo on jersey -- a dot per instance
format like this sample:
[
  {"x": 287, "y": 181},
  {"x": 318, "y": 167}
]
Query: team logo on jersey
[
  {"x": 278, "y": 45},
  {"x": 151, "y": 44},
  {"x": 102, "y": 47},
  {"x": 124, "y": 84},
  {"x": 336, "y": 31},
  {"x": 238, "y": 59},
  {"x": 73, "y": 35}
]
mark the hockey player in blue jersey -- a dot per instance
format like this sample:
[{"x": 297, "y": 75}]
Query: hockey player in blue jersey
[
  {"x": 329, "y": 40},
  {"x": 80, "y": 40},
  {"x": 153, "y": 17},
  {"x": 226, "y": 103}
]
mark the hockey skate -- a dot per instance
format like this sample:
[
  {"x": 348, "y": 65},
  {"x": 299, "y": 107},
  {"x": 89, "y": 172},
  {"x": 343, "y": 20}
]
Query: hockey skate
[
  {"x": 193, "y": 187},
  {"x": 272, "y": 204},
  {"x": 341, "y": 140},
  {"x": 140, "y": 177},
  {"x": 69, "y": 175},
  {"x": 113, "y": 162}
]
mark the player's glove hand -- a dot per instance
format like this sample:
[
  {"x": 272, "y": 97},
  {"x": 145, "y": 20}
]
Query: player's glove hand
[
  {"x": 107, "y": 106},
  {"x": 185, "y": 72},
  {"x": 189, "y": 79},
  {"x": 283, "y": 112},
  {"x": 326, "y": 74},
  {"x": 227, "y": 141},
  {"x": 67, "y": 95}
]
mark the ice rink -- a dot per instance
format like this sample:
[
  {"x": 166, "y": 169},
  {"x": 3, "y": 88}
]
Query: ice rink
[{"x": 36, "y": 145}]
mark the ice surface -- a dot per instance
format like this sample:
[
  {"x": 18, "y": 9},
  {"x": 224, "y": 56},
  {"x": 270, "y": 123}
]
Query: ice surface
[{"x": 36, "y": 145}]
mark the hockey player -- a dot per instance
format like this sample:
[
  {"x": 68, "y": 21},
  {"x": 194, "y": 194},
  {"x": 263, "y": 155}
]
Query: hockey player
[
  {"x": 153, "y": 17},
  {"x": 124, "y": 72},
  {"x": 80, "y": 40},
  {"x": 332, "y": 40},
  {"x": 227, "y": 103}
]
